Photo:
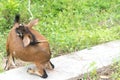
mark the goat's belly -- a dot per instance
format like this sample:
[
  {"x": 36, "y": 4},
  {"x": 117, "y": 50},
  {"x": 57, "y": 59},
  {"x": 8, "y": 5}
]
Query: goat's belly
[{"x": 33, "y": 58}]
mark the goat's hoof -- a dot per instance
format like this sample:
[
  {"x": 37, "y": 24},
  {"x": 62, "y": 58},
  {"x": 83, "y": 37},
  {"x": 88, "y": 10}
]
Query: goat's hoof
[
  {"x": 6, "y": 68},
  {"x": 44, "y": 75},
  {"x": 52, "y": 65}
]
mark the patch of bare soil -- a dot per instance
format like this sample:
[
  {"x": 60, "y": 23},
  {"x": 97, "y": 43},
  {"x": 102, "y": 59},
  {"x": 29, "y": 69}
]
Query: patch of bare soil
[
  {"x": 102, "y": 74},
  {"x": 18, "y": 63},
  {"x": 105, "y": 73}
]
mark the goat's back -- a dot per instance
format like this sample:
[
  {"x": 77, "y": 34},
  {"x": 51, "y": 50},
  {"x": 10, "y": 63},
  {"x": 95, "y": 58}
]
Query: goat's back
[{"x": 39, "y": 52}]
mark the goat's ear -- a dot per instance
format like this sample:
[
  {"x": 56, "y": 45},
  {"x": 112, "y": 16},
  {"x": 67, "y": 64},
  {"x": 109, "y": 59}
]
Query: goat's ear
[
  {"x": 26, "y": 41},
  {"x": 33, "y": 23}
]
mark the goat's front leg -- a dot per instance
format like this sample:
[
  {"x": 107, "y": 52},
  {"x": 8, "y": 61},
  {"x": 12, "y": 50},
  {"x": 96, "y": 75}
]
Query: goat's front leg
[
  {"x": 40, "y": 71},
  {"x": 10, "y": 62}
]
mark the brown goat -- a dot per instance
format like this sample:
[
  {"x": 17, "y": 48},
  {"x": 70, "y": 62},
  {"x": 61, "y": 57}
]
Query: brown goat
[{"x": 28, "y": 45}]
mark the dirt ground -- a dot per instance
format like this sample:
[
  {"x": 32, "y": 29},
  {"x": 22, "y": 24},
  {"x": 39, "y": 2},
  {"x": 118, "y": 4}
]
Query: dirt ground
[
  {"x": 18, "y": 63},
  {"x": 102, "y": 74}
]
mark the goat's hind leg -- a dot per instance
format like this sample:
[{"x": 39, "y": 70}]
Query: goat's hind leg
[
  {"x": 49, "y": 65},
  {"x": 10, "y": 62}
]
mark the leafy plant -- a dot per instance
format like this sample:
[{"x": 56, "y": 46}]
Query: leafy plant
[{"x": 8, "y": 11}]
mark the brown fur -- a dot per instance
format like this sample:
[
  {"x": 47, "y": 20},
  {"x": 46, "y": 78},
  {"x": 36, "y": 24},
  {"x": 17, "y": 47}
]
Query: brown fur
[{"x": 22, "y": 49}]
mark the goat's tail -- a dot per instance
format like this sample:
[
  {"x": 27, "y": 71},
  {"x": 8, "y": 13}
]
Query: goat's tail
[{"x": 17, "y": 18}]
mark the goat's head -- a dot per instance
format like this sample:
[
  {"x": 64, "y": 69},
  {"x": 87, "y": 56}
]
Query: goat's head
[{"x": 23, "y": 31}]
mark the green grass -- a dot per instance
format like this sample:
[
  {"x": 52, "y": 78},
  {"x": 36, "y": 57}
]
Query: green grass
[
  {"x": 112, "y": 72},
  {"x": 115, "y": 75},
  {"x": 69, "y": 25}
]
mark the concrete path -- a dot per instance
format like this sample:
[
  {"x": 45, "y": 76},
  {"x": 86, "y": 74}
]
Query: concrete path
[{"x": 71, "y": 66}]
